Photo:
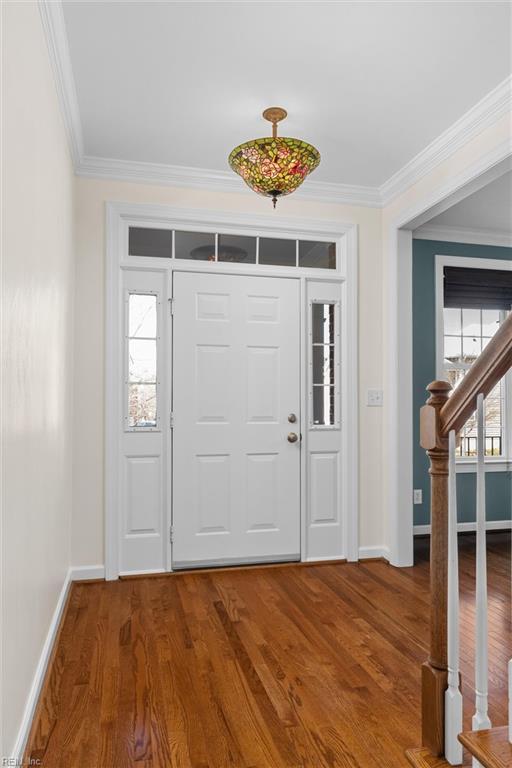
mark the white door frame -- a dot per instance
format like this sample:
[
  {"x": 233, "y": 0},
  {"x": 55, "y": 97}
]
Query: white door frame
[
  {"x": 399, "y": 416},
  {"x": 119, "y": 216}
]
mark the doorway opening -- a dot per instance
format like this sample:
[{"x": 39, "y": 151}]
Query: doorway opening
[{"x": 231, "y": 436}]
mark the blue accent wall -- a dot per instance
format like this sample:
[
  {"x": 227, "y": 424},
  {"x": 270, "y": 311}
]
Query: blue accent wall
[{"x": 498, "y": 484}]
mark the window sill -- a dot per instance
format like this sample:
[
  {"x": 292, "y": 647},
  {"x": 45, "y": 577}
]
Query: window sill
[{"x": 491, "y": 465}]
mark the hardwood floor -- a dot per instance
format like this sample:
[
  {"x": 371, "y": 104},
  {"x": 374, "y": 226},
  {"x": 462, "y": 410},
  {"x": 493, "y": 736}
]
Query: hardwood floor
[
  {"x": 315, "y": 666},
  {"x": 491, "y": 748}
]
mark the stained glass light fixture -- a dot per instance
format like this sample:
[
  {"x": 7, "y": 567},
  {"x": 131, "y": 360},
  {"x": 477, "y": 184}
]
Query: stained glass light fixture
[{"x": 275, "y": 165}]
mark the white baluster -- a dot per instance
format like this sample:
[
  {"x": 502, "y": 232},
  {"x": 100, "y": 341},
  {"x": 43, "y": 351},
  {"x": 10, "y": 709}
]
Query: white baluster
[
  {"x": 510, "y": 700},
  {"x": 481, "y": 718},
  {"x": 453, "y": 696}
]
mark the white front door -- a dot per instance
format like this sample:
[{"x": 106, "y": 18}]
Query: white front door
[{"x": 236, "y": 476}]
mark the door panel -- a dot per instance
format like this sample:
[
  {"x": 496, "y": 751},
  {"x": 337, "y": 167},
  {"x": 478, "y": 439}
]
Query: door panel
[
  {"x": 236, "y": 478},
  {"x": 324, "y": 524},
  {"x": 143, "y": 525}
]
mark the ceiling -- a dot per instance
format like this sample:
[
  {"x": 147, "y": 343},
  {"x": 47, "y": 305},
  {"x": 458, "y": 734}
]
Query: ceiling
[
  {"x": 370, "y": 84},
  {"x": 488, "y": 209}
]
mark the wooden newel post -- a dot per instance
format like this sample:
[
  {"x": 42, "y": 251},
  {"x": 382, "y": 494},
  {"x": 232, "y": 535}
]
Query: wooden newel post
[{"x": 434, "y": 673}]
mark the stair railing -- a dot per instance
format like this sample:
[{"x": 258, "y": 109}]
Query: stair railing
[{"x": 442, "y": 418}]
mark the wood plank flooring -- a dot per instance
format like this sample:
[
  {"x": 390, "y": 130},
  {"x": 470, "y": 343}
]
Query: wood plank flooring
[{"x": 279, "y": 667}]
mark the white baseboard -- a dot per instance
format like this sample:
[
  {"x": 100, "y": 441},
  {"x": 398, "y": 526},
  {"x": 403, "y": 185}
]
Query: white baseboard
[
  {"x": 374, "y": 551},
  {"x": 491, "y": 525},
  {"x": 37, "y": 681},
  {"x": 84, "y": 572}
]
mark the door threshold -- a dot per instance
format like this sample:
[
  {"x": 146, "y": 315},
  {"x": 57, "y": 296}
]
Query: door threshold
[
  {"x": 260, "y": 565},
  {"x": 235, "y": 562},
  {"x": 237, "y": 567}
]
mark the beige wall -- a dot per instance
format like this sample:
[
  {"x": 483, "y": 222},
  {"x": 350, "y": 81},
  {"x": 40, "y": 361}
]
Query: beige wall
[
  {"x": 376, "y": 520},
  {"x": 91, "y": 195},
  {"x": 53, "y": 303},
  {"x": 37, "y": 295}
]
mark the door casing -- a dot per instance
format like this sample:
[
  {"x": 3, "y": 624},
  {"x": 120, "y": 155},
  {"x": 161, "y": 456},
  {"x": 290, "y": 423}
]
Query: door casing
[{"x": 119, "y": 218}]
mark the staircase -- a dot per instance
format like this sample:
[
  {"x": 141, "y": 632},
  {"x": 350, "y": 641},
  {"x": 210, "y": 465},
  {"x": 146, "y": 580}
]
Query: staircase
[
  {"x": 442, "y": 419},
  {"x": 422, "y": 758},
  {"x": 491, "y": 748}
]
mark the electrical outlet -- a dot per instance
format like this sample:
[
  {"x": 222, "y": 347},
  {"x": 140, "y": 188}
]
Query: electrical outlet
[
  {"x": 418, "y": 496},
  {"x": 375, "y": 398}
]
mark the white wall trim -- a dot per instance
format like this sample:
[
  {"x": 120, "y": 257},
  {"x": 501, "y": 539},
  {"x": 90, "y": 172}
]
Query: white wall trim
[
  {"x": 52, "y": 17},
  {"x": 201, "y": 218},
  {"x": 350, "y": 391},
  {"x": 40, "y": 672},
  {"x": 467, "y": 467},
  {"x": 399, "y": 418},
  {"x": 491, "y": 525},
  {"x": 217, "y": 181},
  {"x": 398, "y": 414},
  {"x": 77, "y": 573},
  {"x": 448, "y": 234},
  {"x": 85, "y": 572},
  {"x": 487, "y": 168},
  {"x": 482, "y": 115},
  {"x": 378, "y": 550}
]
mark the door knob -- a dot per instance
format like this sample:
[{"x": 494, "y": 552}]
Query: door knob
[{"x": 292, "y": 437}]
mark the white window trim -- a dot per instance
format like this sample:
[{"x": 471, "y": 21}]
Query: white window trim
[{"x": 465, "y": 464}]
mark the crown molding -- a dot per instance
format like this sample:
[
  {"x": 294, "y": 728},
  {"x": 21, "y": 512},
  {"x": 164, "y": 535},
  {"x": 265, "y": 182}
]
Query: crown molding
[
  {"x": 481, "y": 116},
  {"x": 216, "y": 181},
  {"x": 52, "y": 17},
  {"x": 463, "y": 235}
]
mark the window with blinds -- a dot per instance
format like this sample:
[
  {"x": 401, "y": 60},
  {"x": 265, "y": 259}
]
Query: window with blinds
[{"x": 476, "y": 302}]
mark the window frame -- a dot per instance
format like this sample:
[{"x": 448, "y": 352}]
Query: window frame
[
  {"x": 336, "y": 344},
  {"x": 257, "y": 234},
  {"x": 126, "y": 362},
  {"x": 501, "y": 463}
]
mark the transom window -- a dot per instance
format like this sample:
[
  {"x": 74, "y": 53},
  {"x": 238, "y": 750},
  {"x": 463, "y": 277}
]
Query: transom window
[{"x": 236, "y": 249}]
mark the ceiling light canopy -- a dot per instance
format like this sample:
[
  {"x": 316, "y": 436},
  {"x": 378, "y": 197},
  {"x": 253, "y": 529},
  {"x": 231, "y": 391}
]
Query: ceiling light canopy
[{"x": 275, "y": 165}]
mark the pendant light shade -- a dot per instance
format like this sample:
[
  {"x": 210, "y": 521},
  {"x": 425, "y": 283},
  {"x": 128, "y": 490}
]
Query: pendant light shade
[{"x": 276, "y": 165}]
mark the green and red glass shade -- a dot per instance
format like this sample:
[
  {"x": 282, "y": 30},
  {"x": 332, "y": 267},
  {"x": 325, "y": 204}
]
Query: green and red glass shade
[{"x": 274, "y": 166}]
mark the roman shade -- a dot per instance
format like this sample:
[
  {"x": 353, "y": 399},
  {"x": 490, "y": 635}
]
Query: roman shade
[{"x": 477, "y": 288}]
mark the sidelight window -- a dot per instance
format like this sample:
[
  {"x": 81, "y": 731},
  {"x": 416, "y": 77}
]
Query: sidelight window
[
  {"x": 142, "y": 361},
  {"x": 323, "y": 363}
]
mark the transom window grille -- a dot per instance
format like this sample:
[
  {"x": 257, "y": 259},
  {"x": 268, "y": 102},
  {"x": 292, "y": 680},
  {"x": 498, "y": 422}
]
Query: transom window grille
[
  {"x": 236, "y": 249},
  {"x": 142, "y": 361},
  {"x": 466, "y": 333}
]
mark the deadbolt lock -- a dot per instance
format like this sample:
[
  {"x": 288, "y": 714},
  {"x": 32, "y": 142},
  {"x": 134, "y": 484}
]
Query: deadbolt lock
[{"x": 292, "y": 418}]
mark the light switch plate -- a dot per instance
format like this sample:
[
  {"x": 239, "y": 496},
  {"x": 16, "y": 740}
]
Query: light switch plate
[
  {"x": 418, "y": 496},
  {"x": 375, "y": 398}
]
